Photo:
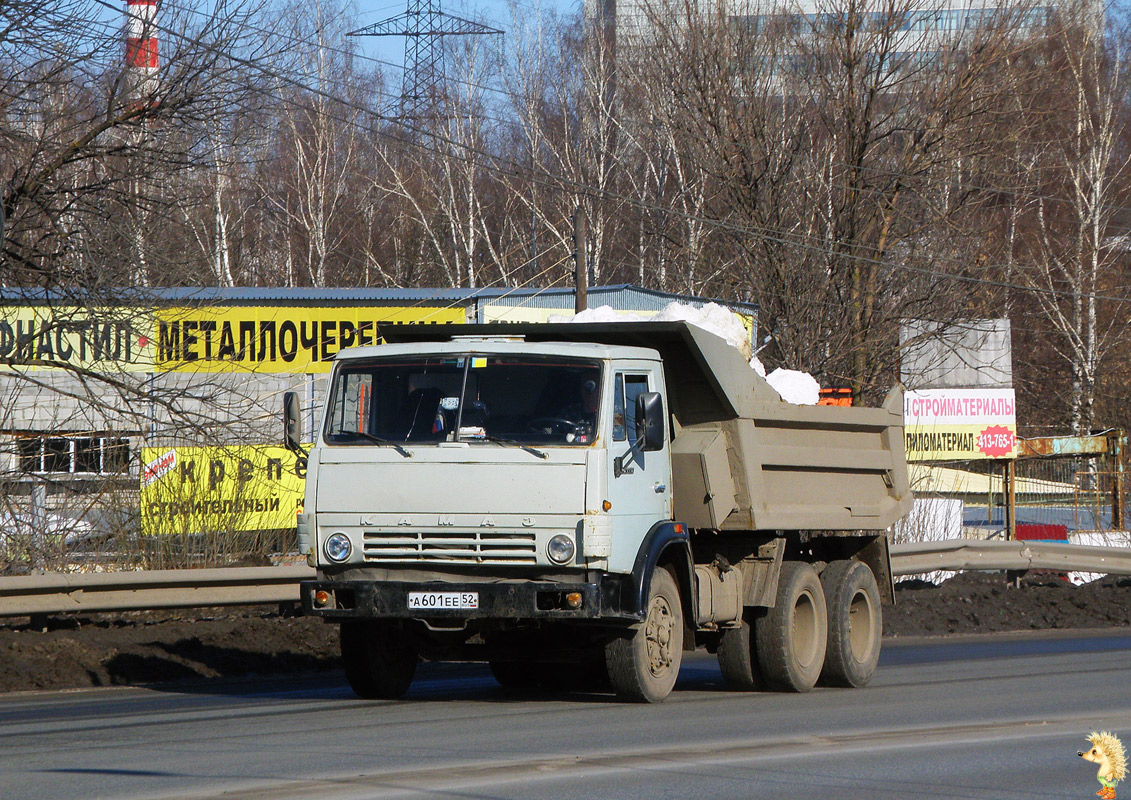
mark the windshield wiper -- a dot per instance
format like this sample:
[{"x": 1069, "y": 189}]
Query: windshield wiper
[
  {"x": 379, "y": 440},
  {"x": 526, "y": 447}
]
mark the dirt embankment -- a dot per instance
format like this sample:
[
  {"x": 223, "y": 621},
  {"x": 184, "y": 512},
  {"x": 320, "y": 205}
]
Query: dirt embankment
[
  {"x": 150, "y": 647},
  {"x": 976, "y": 602}
]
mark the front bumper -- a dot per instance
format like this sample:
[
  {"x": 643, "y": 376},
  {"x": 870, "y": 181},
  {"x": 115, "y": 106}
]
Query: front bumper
[{"x": 511, "y": 600}]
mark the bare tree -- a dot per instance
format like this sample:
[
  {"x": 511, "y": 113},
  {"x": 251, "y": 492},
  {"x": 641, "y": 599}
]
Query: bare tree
[
  {"x": 1076, "y": 256},
  {"x": 839, "y": 148},
  {"x": 563, "y": 82},
  {"x": 318, "y": 139},
  {"x": 90, "y": 158},
  {"x": 77, "y": 144}
]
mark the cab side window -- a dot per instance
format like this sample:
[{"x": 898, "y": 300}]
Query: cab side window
[{"x": 626, "y": 388}]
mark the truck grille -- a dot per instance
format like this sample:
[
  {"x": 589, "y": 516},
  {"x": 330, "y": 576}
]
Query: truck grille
[{"x": 470, "y": 547}]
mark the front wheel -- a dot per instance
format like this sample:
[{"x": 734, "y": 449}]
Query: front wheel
[
  {"x": 855, "y": 624},
  {"x": 643, "y": 665},
  {"x": 379, "y": 658},
  {"x": 790, "y": 639}
]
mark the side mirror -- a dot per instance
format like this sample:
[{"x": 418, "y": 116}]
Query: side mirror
[
  {"x": 650, "y": 421},
  {"x": 292, "y": 422}
]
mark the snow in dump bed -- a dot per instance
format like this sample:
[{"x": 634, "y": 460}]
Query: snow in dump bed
[
  {"x": 713, "y": 318},
  {"x": 796, "y": 387},
  {"x": 599, "y": 314}
]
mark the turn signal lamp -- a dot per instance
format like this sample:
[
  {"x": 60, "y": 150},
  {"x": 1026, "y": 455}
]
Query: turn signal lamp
[
  {"x": 321, "y": 598},
  {"x": 606, "y": 505},
  {"x": 573, "y": 599}
]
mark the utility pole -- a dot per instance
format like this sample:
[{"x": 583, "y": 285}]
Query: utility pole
[
  {"x": 1118, "y": 449},
  {"x": 580, "y": 267}
]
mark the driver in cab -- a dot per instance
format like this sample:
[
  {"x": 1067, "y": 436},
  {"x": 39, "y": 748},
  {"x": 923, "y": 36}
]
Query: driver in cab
[{"x": 576, "y": 420}]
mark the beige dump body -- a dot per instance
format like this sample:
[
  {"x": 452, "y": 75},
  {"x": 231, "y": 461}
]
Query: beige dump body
[{"x": 742, "y": 458}]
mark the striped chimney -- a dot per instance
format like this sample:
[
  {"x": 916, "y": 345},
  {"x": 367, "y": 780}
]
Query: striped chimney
[{"x": 141, "y": 50}]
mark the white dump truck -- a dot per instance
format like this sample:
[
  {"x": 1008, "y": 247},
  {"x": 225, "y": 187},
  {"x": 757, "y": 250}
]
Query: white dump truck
[{"x": 579, "y": 504}]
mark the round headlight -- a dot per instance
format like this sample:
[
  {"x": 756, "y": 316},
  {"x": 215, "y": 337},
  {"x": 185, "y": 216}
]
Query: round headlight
[
  {"x": 560, "y": 549},
  {"x": 338, "y": 547}
]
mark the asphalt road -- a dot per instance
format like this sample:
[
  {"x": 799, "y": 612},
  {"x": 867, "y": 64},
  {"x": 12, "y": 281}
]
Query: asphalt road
[{"x": 997, "y": 717}]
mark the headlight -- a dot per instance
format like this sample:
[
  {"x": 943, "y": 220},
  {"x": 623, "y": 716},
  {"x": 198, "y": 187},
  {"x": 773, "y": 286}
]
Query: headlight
[
  {"x": 338, "y": 547},
  {"x": 560, "y": 549}
]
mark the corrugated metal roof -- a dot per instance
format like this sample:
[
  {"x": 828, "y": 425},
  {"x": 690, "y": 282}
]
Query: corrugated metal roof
[
  {"x": 619, "y": 296},
  {"x": 243, "y": 295}
]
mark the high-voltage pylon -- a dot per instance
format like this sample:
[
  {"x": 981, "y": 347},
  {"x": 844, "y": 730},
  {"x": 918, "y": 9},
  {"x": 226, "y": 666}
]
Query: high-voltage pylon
[{"x": 423, "y": 25}]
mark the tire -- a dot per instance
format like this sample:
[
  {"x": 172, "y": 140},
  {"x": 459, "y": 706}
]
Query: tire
[
  {"x": 790, "y": 640},
  {"x": 379, "y": 659},
  {"x": 644, "y": 664},
  {"x": 855, "y": 624},
  {"x": 737, "y": 657}
]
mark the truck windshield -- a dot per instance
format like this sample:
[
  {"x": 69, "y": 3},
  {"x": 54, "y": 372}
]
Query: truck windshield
[{"x": 512, "y": 399}]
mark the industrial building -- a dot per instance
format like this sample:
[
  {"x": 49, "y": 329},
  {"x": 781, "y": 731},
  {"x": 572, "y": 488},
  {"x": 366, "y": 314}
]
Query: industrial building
[{"x": 917, "y": 26}]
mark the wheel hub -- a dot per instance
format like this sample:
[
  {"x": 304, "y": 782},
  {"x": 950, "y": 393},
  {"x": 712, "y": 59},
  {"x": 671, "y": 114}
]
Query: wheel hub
[{"x": 658, "y": 630}]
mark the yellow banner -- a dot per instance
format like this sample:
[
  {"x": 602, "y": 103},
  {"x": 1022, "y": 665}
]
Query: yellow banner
[
  {"x": 267, "y": 339},
  {"x": 274, "y": 339},
  {"x": 39, "y": 338},
  {"x": 960, "y": 442},
  {"x": 220, "y": 489}
]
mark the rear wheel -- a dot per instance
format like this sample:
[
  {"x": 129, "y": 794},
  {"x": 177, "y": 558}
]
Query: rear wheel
[
  {"x": 643, "y": 666},
  {"x": 737, "y": 658},
  {"x": 790, "y": 639},
  {"x": 379, "y": 658},
  {"x": 855, "y": 624}
]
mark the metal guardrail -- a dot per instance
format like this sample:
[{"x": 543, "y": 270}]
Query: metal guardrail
[
  {"x": 974, "y": 554},
  {"x": 55, "y": 593},
  {"x": 87, "y": 592}
]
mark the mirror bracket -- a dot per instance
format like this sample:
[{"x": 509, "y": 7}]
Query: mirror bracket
[{"x": 620, "y": 463}]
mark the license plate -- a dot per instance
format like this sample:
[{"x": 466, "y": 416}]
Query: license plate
[{"x": 434, "y": 601}]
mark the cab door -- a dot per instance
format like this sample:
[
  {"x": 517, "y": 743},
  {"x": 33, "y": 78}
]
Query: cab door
[{"x": 641, "y": 493}]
